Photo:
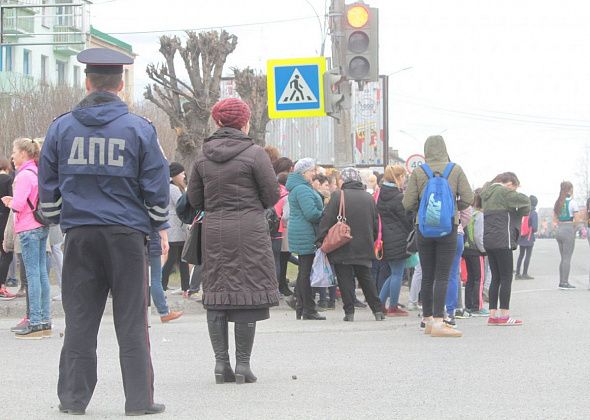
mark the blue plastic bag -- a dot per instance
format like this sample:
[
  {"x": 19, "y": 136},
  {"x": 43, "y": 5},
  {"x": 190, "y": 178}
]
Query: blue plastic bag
[{"x": 321, "y": 271}]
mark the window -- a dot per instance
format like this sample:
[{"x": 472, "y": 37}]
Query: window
[
  {"x": 46, "y": 14},
  {"x": 27, "y": 62},
  {"x": 61, "y": 72},
  {"x": 9, "y": 58},
  {"x": 44, "y": 61},
  {"x": 77, "y": 76}
]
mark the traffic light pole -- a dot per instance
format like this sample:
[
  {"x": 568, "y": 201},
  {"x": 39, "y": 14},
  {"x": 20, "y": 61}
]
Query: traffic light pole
[{"x": 343, "y": 155}]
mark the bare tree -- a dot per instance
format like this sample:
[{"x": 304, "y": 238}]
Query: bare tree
[
  {"x": 188, "y": 104},
  {"x": 166, "y": 135},
  {"x": 27, "y": 109},
  {"x": 252, "y": 88},
  {"x": 583, "y": 173}
]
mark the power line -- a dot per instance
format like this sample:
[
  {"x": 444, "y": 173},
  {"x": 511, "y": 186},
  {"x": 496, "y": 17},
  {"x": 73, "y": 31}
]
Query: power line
[
  {"x": 207, "y": 28},
  {"x": 502, "y": 116}
]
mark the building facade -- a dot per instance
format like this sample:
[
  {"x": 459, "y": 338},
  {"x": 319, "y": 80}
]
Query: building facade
[{"x": 40, "y": 44}]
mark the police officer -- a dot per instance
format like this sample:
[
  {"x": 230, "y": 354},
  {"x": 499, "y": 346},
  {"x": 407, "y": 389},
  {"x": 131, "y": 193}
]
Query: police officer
[{"x": 102, "y": 175}]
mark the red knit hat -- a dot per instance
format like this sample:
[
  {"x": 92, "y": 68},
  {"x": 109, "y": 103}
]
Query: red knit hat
[{"x": 231, "y": 112}]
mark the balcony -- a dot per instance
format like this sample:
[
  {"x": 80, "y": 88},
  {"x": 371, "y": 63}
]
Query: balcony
[
  {"x": 18, "y": 20},
  {"x": 68, "y": 40}
]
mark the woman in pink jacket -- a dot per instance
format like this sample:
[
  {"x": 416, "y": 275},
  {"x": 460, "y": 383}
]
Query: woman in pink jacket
[{"x": 32, "y": 236}]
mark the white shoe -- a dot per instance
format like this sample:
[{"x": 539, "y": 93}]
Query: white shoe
[
  {"x": 412, "y": 307},
  {"x": 56, "y": 298}
]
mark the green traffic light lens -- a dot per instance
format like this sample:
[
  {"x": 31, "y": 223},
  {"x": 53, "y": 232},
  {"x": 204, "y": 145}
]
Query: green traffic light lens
[
  {"x": 358, "y": 68},
  {"x": 358, "y": 42}
]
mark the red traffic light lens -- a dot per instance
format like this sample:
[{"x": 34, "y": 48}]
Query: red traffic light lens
[{"x": 357, "y": 16}]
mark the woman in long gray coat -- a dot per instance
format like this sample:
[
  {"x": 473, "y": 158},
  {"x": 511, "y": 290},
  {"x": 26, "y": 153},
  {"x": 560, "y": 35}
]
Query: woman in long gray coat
[{"x": 233, "y": 182}]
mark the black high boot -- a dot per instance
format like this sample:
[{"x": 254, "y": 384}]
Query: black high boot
[
  {"x": 219, "y": 341},
  {"x": 244, "y": 334}
]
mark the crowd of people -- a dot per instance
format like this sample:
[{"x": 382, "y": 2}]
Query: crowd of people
[{"x": 253, "y": 212}]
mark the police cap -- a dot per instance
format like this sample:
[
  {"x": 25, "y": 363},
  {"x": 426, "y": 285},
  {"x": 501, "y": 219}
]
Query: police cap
[{"x": 104, "y": 60}]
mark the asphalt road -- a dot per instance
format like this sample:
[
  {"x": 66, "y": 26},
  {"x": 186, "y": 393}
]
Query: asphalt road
[{"x": 337, "y": 370}]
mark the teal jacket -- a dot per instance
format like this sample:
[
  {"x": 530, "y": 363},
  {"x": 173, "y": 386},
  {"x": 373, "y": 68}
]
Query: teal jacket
[{"x": 306, "y": 208}]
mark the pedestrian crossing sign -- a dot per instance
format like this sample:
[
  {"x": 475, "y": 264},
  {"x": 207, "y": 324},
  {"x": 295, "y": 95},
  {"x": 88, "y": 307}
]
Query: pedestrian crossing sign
[{"x": 295, "y": 87}]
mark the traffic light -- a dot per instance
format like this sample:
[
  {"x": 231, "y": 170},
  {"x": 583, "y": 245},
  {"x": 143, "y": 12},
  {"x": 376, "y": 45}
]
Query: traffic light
[
  {"x": 361, "y": 42},
  {"x": 333, "y": 99}
]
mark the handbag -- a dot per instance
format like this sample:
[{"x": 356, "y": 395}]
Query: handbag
[
  {"x": 192, "y": 251},
  {"x": 339, "y": 234},
  {"x": 378, "y": 247},
  {"x": 38, "y": 214}
]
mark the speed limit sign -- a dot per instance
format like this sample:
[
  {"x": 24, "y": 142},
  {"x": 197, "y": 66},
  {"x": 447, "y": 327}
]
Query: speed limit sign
[{"x": 414, "y": 162}]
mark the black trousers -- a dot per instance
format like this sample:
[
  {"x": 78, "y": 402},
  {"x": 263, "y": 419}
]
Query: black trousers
[
  {"x": 346, "y": 274},
  {"x": 436, "y": 259},
  {"x": 98, "y": 259},
  {"x": 525, "y": 253},
  {"x": 175, "y": 257},
  {"x": 501, "y": 264},
  {"x": 303, "y": 293},
  {"x": 472, "y": 287},
  {"x": 5, "y": 257}
]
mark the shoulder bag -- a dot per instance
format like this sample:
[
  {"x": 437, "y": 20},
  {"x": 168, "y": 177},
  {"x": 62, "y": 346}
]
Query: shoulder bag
[{"x": 339, "y": 234}]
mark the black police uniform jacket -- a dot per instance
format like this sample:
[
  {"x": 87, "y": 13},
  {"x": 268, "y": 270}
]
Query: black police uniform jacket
[
  {"x": 102, "y": 165},
  {"x": 233, "y": 181}
]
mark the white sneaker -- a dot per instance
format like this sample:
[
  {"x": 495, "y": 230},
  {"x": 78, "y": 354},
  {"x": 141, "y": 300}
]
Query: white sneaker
[
  {"x": 411, "y": 306},
  {"x": 56, "y": 298}
]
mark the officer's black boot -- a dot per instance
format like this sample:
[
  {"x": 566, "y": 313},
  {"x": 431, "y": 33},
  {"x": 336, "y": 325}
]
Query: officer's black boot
[
  {"x": 219, "y": 341},
  {"x": 244, "y": 334}
]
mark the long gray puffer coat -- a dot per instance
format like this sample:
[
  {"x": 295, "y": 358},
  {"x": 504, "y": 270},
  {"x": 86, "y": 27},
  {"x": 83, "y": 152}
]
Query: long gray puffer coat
[{"x": 233, "y": 181}]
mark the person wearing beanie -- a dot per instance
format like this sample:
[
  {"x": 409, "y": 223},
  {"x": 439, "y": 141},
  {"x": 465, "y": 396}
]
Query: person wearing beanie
[
  {"x": 305, "y": 212},
  {"x": 233, "y": 181},
  {"x": 526, "y": 241},
  {"x": 355, "y": 259},
  {"x": 177, "y": 232}
]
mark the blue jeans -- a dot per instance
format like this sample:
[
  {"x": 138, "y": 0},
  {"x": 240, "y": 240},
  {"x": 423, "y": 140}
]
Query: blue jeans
[
  {"x": 33, "y": 244},
  {"x": 454, "y": 280},
  {"x": 156, "y": 289},
  {"x": 393, "y": 284}
]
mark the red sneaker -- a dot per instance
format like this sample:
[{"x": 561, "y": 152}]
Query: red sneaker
[
  {"x": 508, "y": 322},
  {"x": 5, "y": 294},
  {"x": 492, "y": 321},
  {"x": 396, "y": 311}
]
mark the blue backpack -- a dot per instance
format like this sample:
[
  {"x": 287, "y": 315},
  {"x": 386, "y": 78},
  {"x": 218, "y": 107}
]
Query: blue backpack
[{"x": 437, "y": 206}]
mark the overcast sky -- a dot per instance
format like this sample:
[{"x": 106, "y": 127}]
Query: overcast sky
[{"x": 506, "y": 82}]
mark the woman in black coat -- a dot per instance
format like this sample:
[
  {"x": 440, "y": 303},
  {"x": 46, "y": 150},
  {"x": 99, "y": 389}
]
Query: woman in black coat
[
  {"x": 233, "y": 182},
  {"x": 355, "y": 258},
  {"x": 396, "y": 225}
]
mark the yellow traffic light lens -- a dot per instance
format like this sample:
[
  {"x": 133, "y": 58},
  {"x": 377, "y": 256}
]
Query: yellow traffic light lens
[{"x": 357, "y": 16}]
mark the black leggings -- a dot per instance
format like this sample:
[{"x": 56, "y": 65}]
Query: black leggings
[
  {"x": 473, "y": 286},
  {"x": 501, "y": 263},
  {"x": 525, "y": 253},
  {"x": 436, "y": 259},
  {"x": 175, "y": 257}
]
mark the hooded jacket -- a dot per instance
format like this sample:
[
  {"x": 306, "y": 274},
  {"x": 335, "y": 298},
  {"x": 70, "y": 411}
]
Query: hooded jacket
[
  {"x": 435, "y": 152},
  {"x": 396, "y": 223},
  {"x": 102, "y": 165},
  {"x": 233, "y": 181},
  {"x": 361, "y": 216},
  {"x": 305, "y": 212},
  {"x": 503, "y": 210}
]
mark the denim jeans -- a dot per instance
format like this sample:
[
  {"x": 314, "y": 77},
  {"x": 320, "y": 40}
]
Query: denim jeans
[
  {"x": 156, "y": 289},
  {"x": 454, "y": 279},
  {"x": 416, "y": 285},
  {"x": 33, "y": 245},
  {"x": 393, "y": 284}
]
